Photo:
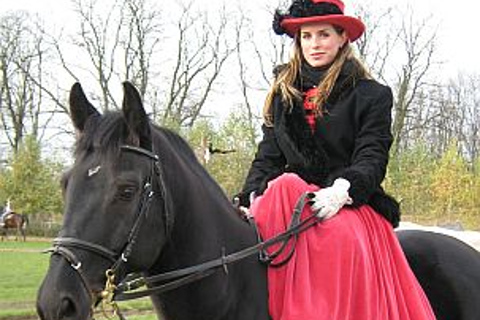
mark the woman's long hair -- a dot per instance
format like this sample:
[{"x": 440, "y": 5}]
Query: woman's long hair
[{"x": 284, "y": 81}]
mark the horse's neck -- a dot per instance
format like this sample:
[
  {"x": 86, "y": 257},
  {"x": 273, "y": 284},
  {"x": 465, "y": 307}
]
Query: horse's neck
[
  {"x": 203, "y": 218},
  {"x": 208, "y": 232},
  {"x": 212, "y": 295},
  {"x": 206, "y": 227}
]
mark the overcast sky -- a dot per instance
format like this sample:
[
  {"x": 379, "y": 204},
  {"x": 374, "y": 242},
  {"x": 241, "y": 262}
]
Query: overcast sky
[{"x": 459, "y": 47}]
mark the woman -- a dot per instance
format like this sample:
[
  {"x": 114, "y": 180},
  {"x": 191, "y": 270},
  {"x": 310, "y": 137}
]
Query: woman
[
  {"x": 6, "y": 212},
  {"x": 327, "y": 132}
]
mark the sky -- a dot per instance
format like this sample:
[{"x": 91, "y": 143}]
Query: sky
[
  {"x": 458, "y": 47},
  {"x": 457, "y": 20}
]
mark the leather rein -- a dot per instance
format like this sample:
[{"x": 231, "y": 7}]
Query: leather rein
[{"x": 127, "y": 288}]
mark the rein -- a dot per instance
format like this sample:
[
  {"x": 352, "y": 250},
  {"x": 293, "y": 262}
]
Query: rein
[
  {"x": 180, "y": 277},
  {"x": 127, "y": 289}
]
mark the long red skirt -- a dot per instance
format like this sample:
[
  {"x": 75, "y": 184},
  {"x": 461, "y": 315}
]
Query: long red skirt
[{"x": 350, "y": 267}]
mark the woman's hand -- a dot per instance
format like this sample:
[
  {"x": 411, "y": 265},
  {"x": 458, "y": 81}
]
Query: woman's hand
[
  {"x": 328, "y": 201},
  {"x": 243, "y": 212}
]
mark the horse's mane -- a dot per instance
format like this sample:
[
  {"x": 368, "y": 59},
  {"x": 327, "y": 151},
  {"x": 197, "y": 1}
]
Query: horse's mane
[
  {"x": 105, "y": 133},
  {"x": 177, "y": 141},
  {"x": 108, "y": 132},
  {"x": 184, "y": 150}
]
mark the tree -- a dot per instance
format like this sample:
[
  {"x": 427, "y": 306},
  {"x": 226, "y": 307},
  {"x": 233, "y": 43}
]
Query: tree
[
  {"x": 452, "y": 186},
  {"x": 400, "y": 48},
  {"x": 256, "y": 58},
  {"x": 230, "y": 166},
  {"x": 408, "y": 179},
  {"x": 22, "y": 54},
  {"x": 31, "y": 184},
  {"x": 376, "y": 45},
  {"x": 419, "y": 44},
  {"x": 201, "y": 51},
  {"x": 464, "y": 96}
]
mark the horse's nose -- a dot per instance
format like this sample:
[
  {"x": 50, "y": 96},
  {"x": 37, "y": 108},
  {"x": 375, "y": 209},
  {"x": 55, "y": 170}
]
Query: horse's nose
[
  {"x": 56, "y": 304},
  {"x": 66, "y": 309}
]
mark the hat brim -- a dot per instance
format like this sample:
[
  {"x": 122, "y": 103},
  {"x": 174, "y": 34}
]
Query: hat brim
[{"x": 352, "y": 26}]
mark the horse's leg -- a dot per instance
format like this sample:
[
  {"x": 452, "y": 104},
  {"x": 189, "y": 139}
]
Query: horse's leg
[
  {"x": 24, "y": 225},
  {"x": 19, "y": 233},
  {"x": 22, "y": 230}
]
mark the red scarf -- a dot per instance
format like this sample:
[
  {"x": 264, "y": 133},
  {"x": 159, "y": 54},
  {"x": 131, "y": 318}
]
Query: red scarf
[{"x": 309, "y": 106}]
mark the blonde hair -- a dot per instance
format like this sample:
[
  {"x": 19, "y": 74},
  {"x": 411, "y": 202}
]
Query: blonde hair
[{"x": 284, "y": 81}]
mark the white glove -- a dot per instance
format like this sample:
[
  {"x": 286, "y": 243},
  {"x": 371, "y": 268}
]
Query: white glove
[{"x": 328, "y": 201}]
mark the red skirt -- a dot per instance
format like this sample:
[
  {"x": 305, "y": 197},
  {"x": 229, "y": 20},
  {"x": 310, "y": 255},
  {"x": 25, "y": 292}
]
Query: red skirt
[{"x": 350, "y": 267}]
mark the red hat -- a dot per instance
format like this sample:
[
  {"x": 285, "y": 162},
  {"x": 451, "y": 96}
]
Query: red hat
[{"x": 312, "y": 11}]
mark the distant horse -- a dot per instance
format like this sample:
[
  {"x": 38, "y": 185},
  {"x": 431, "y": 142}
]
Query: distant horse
[
  {"x": 137, "y": 201},
  {"x": 17, "y": 221}
]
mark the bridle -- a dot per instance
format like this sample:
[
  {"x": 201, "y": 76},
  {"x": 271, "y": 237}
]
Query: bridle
[
  {"x": 63, "y": 245},
  {"x": 127, "y": 290}
]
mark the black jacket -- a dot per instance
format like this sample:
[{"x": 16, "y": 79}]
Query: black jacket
[{"x": 352, "y": 140}]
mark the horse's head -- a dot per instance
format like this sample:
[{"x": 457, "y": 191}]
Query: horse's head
[{"x": 108, "y": 223}]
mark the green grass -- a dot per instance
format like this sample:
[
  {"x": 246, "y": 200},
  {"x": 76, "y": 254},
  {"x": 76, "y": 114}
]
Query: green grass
[
  {"x": 22, "y": 268},
  {"x": 20, "y": 272},
  {"x": 28, "y": 245}
]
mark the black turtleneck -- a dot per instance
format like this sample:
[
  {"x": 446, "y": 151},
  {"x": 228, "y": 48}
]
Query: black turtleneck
[{"x": 310, "y": 76}]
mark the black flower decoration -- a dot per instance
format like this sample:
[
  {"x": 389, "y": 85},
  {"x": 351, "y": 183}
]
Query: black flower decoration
[
  {"x": 298, "y": 8},
  {"x": 277, "y": 22},
  {"x": 307, "y": 8}
]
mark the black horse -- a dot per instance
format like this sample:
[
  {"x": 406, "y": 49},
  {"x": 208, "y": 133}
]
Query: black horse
[
  {"x": 448, "y": 270},
  {"x": 138, "y": 201}
]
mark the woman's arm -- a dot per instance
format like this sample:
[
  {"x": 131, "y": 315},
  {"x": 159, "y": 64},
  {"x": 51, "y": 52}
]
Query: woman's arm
[
  {"x": 372, "y": 145},
  {"x": 268, "y": 163}
]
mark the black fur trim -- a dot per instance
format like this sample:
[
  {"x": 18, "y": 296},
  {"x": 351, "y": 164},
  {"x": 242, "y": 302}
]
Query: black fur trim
[
  {"x": 314, "y": 166},
  {"x": 363, "y": 193},
  {"x": 359, "y": 190},
  {"x": 387, "y": 206}
]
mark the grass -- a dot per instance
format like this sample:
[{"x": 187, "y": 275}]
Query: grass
[
  {"x": 22, "y": 268},
  {"x": 20, "y": 272}
]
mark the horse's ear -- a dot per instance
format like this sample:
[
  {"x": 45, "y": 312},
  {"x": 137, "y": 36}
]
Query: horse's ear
[
  {"x": 80, "y": 108},
  {"x": 136, "y": 117}
]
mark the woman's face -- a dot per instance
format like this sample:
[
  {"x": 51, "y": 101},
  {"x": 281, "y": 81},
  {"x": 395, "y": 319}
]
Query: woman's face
[{"x": 320, "y": 43}]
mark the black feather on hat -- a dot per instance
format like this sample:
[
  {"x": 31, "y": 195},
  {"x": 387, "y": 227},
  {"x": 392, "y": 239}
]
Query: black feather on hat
[{"x": 311, "y": 11}]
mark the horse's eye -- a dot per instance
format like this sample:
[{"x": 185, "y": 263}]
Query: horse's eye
[{"x": 126, "y": 193}]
